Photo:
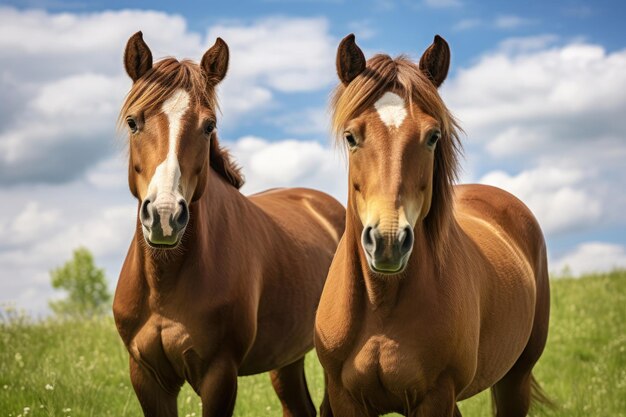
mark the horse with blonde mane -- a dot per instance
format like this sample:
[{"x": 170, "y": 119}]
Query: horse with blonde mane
[
  {"x": 437, "y": 292},
  {"x": 215, "y": 284}
]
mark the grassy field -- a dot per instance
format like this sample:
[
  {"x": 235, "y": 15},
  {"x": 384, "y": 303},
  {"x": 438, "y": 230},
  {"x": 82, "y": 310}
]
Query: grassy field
[{"x": 56, "y": 368}]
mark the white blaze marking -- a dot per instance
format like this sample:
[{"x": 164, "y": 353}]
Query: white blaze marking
[
  {"x": 391, "y": 109},
  {"x": 164, "y": 183}
]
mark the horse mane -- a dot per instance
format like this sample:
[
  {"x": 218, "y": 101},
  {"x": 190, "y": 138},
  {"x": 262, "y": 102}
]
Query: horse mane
[
  {"x": 404, "y": 77},
  {"x": 168, "y": 75}
]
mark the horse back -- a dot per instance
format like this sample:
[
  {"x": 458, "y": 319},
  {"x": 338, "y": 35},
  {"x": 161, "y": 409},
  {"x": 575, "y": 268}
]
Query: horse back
[
  {"x": 306, "y": 215},
  {"x": 505, "y": 212}
]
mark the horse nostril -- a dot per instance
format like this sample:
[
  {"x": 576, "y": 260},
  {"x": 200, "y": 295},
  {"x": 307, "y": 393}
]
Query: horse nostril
[
  {"x": 145, "y": 214},
  {"x": 182, "y": 217},
  {"x": 368, "y": 239},
  {"x": 406, "y": 240}
]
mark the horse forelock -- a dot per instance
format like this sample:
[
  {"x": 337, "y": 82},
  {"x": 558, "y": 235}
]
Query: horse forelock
[{"x": 164, "y": 79}]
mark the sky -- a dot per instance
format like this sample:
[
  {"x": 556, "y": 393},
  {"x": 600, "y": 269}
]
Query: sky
[{"x": 538, "y": 87}]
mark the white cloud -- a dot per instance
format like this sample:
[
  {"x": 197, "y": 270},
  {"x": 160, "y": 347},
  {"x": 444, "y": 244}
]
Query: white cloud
[
  {"x": 528, "y": 89},
  {"x": 546, "y": 122},
  {"x": 302, "y": 56},
  {"x": 469, "y": 23},
  {"x": 104, "y": 233},
  {"x": 516, "y": 45},
  {"x": 110, "y": 173},
  {"x": 503, "y": 22},
  {"x": 553, "y": 195},
  {"x": 66, "y": 118},
  {"x": 44, "y": 239},
  {"x": 63, "y": 113},
  {"x": 58, "y": 119},
  {"x": 55, "y": 232},
  {"x": 591, "y": 257},
  {"x": 289, "y": 163},
  {"x": 302, "y": 53},
  {"x": 238, "y": 99},
  {"x": 365, "y": 28},
  {"x": 76, "y": 43},
  {"x": 84, "y": 96},
  {"x": 308, "y": 121},
  {"x": 511, "y": 22},
  {"x": 33, "y": 221}
]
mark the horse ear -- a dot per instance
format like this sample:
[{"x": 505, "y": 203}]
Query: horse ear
[
  {"x": 215, "y": 62},
  {"x": 137, "y": 57},
  {"x": 350, "y": 60},
  {"x": 436, "y": 61}
]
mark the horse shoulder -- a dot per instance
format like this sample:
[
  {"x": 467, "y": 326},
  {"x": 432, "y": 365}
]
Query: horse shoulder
[{"x": 130, "y": 296}]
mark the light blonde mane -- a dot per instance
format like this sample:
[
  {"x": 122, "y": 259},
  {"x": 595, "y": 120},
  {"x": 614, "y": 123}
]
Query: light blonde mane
[
  {"x": 168, "y": 75},
  {"x": 404, "y": 77}
]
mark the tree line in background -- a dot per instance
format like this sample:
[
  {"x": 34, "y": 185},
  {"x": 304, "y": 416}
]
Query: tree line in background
[{"x": 85, "y": 285}]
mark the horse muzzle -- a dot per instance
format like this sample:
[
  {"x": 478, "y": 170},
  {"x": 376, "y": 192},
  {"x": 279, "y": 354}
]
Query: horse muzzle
[
  {"x": 164, "y": 220},
  {"x": 387, "y": 252}
]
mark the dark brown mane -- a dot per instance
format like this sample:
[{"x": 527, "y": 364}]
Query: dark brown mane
[
  {"x": 405, "y": 78},
  {"x": 150, "y": 91}
]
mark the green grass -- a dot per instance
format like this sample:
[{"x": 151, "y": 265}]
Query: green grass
[{"x": 79, "y": 368}]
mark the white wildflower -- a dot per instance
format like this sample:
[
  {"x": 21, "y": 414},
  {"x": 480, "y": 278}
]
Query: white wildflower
[{"x": 19, "y": 360}]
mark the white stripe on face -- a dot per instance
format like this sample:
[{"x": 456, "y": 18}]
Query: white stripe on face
[
  {"x": 164, "y": 184},
  {"x": 391, "y": 109}
]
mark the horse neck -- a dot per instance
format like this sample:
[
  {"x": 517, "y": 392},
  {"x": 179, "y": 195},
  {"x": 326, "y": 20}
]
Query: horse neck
[
  {"x": 209, "y": 216},
  {"x": 384, "y": 292}
]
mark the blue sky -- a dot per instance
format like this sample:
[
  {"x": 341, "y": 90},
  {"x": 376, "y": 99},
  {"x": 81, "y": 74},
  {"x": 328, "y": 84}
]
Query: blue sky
[{"x": 539, "y": 87}]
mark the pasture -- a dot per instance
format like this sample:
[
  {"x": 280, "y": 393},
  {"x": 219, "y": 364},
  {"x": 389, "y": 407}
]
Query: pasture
[{"x": 79, "y": 368}]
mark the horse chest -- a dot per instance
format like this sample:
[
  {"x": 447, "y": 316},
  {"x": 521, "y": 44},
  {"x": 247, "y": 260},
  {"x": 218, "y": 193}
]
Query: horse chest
[
  {"x": 165, "y": 348},
  {"x": 379, "y": 366}
]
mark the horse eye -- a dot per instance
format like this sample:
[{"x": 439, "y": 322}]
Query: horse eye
[
  {"x": 132, "y": 124},
  {"x": 209, "y": 127},
  {"x": 433, "y": 139},
  {"x": 349, "y": 137}
]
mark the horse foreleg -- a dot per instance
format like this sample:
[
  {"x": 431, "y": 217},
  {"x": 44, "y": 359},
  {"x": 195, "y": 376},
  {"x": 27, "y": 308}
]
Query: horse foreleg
[
  {"x": 155, "y": 400},
  {"x": 325, "y": 410},
  {"x": 290, "y": 385},
  {"x": 439, "y": 402},
  {"x": 218, "y": 388},
  {"x": 341, "y": 404}
]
